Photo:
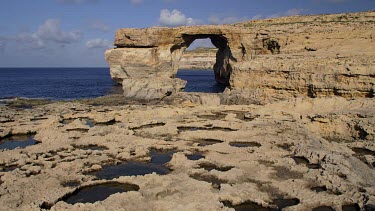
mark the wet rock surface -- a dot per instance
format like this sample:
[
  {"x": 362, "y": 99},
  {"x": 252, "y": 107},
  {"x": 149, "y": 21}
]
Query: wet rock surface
[
  {"x": 134, "y": 168},
  {"x": 19, "y": 141},
  {"x": 99, "y": 192},
  {"x": 300, "y": 154},
  {"x": 195, "y": 156}
]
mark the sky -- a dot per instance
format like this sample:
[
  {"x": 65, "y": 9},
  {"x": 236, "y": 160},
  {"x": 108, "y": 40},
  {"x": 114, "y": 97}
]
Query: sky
[{"x": 76, "y": 33}]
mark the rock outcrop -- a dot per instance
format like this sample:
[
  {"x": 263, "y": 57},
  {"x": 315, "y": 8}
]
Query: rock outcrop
[
  {"x": 156, "y": 52},
  {"x": 270, "y": 59},
  {"x": 151, "y": 88}
]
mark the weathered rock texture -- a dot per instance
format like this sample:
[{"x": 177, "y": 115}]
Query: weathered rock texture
[
  {"x": 319, "y": 152},
  {"x": 198, "y": 59},
  {"x": 151, "y": 88},
  {"x": 269, "y": 59}
]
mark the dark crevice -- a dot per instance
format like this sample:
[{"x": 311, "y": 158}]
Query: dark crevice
[
  {"x": 245, "y": 144},
  {"x": 100, "y": 192},
  {"x": 192, "y": 128},
  {"x": 319, "y": 189},
  {"x": 311, "y": 91},
  {"x": 135, "y": 46},
  {"x": 214, "y": 180},
  {"x": 207, "y": 142},
  {"x": 323, "y": 208},
  {"x": 304, "y": 161},
  {"x": 361, "y": 132},
  {"x": 210, "y": 166},
  {"x": 351, "y": 207},
  {"x": 152, "y": 125}
]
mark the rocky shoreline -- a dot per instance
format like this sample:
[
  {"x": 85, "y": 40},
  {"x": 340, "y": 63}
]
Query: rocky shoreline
[
  {"x": 301, "y": 153},
  {"x": 294, "y": 130}
]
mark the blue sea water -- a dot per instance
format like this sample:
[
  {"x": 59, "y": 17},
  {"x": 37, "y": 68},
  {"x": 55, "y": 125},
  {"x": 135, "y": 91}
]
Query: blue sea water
[
  {"x": 200, "y": 81},
  {"x": 55, "y": 83},
  {"x": 78, "y": 83}
]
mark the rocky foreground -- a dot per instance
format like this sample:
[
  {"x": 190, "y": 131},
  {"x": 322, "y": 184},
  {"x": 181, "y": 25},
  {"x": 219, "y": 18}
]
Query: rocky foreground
[{"x": 297, "y": 154}]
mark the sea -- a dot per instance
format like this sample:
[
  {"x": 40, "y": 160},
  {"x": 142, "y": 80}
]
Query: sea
[{"x": 79, "y": 83}]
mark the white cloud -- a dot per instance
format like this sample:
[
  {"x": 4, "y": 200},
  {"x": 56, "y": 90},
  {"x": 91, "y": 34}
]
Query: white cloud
[
  {"x": 175, "y": 18},
  {"x": 215, "y": 19},
  {"x": 30, "y": 40},
  {"x": 49, "y": 33},
  {"x": 136, "y": 1},
  {"x": 98, "y": 25},
  {"x": 98, "y": 43}
]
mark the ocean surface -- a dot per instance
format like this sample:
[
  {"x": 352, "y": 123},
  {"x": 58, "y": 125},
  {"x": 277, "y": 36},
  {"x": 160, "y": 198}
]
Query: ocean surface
[
  {"x": 55, "y": 83},
  {"x": 78, "y": 83},
  {"x": 200, "y": 81}
]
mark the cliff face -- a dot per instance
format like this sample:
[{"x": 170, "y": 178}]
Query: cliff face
[
  {"x": 198, "y": 59},
  {"x": 319, "y": 56},
  {"x": 265, "y": 60}
]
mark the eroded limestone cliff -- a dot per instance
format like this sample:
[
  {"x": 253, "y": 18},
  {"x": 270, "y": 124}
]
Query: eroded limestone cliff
[{"x": 266, "y": 60}]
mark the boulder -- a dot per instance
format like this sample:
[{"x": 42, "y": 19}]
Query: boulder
[{"x": 152, "y": 88}]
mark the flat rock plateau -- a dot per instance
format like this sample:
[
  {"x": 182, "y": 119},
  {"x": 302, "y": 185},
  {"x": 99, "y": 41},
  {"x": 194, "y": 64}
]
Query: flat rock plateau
[
  {"x": 199, "y": 151},
  {"x": 318, "y": 152}
]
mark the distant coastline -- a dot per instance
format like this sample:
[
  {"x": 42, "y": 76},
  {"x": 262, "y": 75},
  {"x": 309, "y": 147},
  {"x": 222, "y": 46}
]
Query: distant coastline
[{"x": 198, "y": 59}]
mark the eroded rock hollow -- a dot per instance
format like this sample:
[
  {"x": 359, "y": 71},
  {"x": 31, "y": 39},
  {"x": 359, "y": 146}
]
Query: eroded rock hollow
[{"x": 260, "y": 61}]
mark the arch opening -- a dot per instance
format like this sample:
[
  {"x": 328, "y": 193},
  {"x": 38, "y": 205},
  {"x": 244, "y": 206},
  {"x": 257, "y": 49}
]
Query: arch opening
[{"x": 221, "y": 65}]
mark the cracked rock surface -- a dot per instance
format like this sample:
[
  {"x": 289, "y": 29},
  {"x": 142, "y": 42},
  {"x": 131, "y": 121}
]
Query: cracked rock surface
[{"x": 312, "y": 152}]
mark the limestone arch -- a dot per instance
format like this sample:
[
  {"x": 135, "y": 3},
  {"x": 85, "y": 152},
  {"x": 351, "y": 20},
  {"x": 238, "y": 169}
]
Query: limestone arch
[{"x": 224, "y": 57}]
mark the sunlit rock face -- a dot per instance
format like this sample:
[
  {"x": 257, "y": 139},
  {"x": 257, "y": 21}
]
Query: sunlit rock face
[
  {"x": 266, "y": 60},
  {"x": 157, "y": 51}
]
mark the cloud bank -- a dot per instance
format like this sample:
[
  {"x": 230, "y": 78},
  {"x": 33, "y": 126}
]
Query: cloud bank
[
  {"x": 175, "y": 18},
  {"x": 49, "y": 33}
]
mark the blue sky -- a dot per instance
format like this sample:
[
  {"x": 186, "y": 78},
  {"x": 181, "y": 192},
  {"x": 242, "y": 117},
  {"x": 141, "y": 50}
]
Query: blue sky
[{"x": 75, "y": 33}]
